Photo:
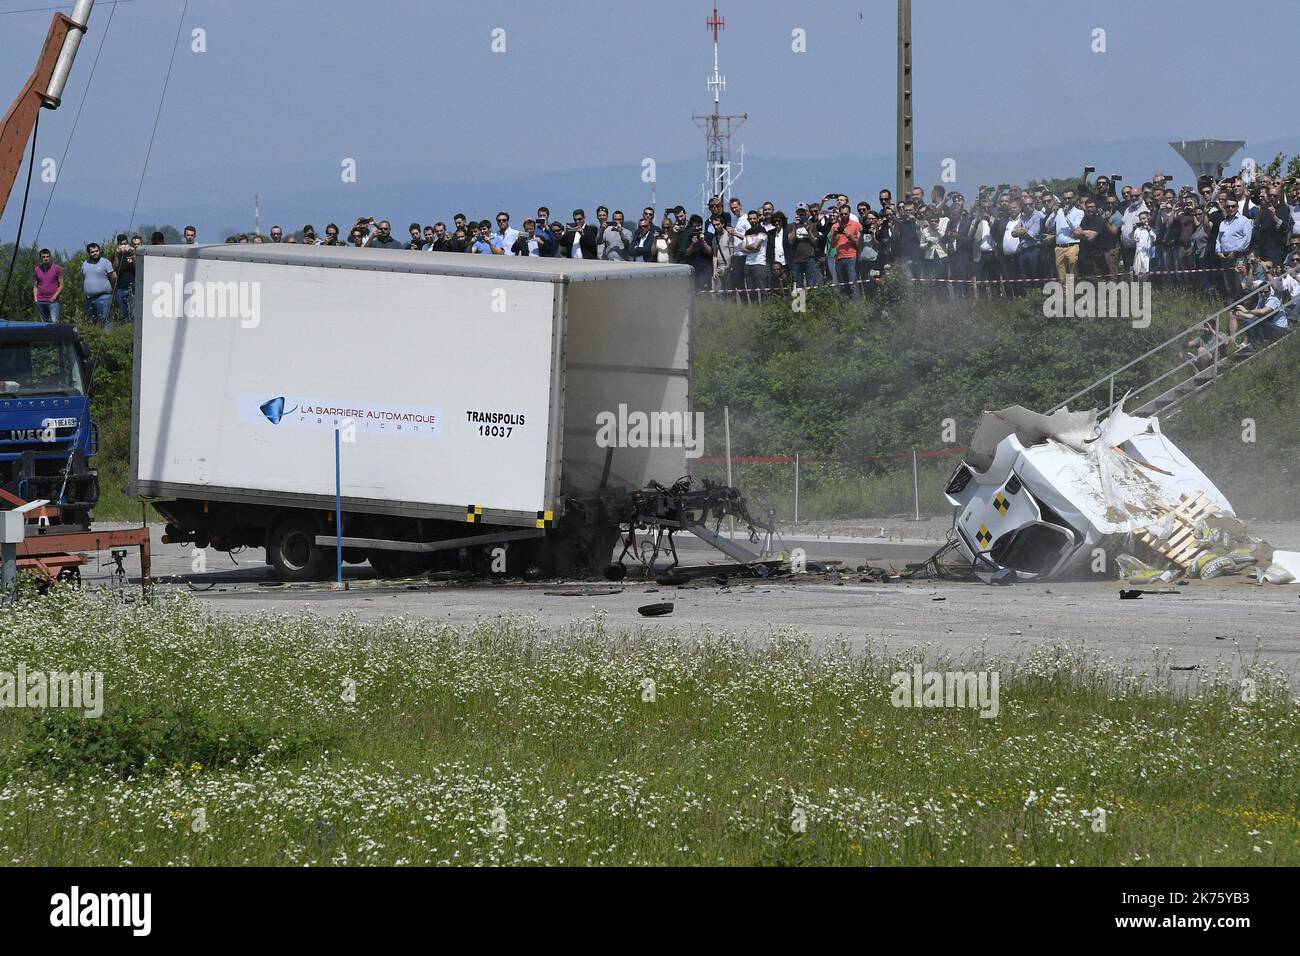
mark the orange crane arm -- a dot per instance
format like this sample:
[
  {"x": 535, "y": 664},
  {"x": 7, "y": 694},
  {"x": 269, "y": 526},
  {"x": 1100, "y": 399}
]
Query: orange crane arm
[{"x": 44, "y": 89}]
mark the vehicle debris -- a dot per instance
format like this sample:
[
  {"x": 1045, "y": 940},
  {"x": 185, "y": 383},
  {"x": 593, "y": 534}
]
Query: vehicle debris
[
  {"x": 1133, "y": 594},
  {"x": 1049, "y": 496},
  {"x": 584, "y": 592},
  {"x": 655, "y": 610}
]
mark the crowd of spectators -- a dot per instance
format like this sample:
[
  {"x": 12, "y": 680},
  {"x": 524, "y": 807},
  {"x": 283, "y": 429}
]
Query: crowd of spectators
[{"x": 1223, "y": 237}]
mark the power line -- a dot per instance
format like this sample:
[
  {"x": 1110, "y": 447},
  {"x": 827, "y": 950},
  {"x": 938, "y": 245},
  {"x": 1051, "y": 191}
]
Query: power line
[
  {"x": 18, "y": 239},
  {"x": 158, "y": 115},
  {"x": 59, "y": 9}
]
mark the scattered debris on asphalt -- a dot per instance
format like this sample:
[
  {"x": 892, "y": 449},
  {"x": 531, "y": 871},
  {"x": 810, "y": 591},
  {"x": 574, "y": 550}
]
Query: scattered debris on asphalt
[
  {"x": 584, "y": 592},
  {"x": 1133, "y": 594}
]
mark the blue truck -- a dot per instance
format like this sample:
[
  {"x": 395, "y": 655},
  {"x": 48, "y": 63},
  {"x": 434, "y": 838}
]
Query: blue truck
[{"x": 46, "y": 436}]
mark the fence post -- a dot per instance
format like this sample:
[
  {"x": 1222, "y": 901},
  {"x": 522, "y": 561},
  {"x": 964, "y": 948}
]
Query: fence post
[
  {"x": 916, "y": 486},
  {"x": 726, "y": 428},
  {"x": 1215, "y": 376},
  {"x": 796, "y": 487}
]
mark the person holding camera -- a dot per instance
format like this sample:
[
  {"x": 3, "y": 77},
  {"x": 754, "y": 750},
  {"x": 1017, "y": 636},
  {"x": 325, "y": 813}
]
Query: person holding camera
[
  {"x": 801, "y": 241},
  {"x": 124, "y": 266},
  {"x": 846, "y": 238},
  {"x": 983, "y": 242},
  {"x": 1272, "y": 227},
  {"x": 580, "y": 239},
  {"x": 644, "y": 237},
  {"x": 617, "y": 239},
  {"x": 526, "y": 243},
  {"x": 697, "y": 252}
]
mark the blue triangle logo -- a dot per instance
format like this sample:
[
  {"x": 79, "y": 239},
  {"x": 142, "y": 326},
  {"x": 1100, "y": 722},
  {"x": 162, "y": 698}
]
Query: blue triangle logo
[{"x": 273, "y": 409}]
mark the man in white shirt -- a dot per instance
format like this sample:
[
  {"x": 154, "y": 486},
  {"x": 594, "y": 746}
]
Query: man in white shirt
[
  {"x": 503, "y": 239},
  {"x": 755, "y": 248},
  {"x": 1133, "y": 209}
]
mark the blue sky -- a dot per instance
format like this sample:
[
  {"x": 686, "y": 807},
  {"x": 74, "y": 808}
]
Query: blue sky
[{"x": 584, "y": 92}]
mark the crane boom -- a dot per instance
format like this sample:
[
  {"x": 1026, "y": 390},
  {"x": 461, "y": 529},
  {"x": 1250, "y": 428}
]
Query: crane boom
[{"x": 44, "y": 89}]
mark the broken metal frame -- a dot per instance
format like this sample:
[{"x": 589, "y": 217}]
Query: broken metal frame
[
  {"x": 683, "y": 507},
  {"x": 964, "y": 569}
]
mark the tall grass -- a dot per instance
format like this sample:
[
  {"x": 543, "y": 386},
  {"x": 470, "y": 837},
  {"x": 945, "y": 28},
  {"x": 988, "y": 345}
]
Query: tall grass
[{"x": 298, "y": 740}]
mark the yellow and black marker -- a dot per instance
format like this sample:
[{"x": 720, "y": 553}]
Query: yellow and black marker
[
  {"x": 1001, "y": 503},
  {"x": 474, "y": 514},
  {"x": 984, "y": 537},
  {"x": 546, "y": 519}
]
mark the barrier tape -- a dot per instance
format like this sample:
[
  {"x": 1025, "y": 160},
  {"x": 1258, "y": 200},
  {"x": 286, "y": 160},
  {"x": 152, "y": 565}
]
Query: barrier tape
[
  {"x": 789, "y": 459},
  {"x": 968, "y": 282}
]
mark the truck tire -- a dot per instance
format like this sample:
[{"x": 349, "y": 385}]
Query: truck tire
[{"x": 293, "y": 551}]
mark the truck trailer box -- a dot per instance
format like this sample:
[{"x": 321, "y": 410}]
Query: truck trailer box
[{"x": 464, "y": 388}]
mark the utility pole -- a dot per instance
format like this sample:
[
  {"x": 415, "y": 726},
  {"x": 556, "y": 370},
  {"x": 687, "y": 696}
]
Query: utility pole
[{"x": 906, "y": 166}]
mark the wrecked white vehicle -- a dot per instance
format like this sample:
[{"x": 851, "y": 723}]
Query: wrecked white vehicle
[{"x": 1037, "y": 495}]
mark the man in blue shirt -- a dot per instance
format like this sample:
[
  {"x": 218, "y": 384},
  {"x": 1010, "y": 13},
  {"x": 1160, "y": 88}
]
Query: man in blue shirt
[
  {"x": 1234, "y": 232},
  {"x": 1063, "y": 223},
  {"x": 482, "y": 243},
  {"x": 1232, "y": 242}
]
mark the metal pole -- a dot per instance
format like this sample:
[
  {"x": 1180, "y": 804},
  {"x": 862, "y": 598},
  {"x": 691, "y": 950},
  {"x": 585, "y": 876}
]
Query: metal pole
[
  {"x": 10, "y": 573},
  {"x": 80, "y": 16},
  {"x": 1216, "y": 348},
  {"x": 796, "y": 487},
  {"x": 726, "y": 428},
  {"x": 904, "y": 144},
  {"x": 1112, "y": 395},
  {"x": 916, "y": 486},
  {"x": 338, "y": 508}
]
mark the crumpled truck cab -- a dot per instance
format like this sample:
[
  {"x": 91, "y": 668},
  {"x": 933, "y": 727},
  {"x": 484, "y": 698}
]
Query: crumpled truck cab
[{"x": 1045, "y": 496}]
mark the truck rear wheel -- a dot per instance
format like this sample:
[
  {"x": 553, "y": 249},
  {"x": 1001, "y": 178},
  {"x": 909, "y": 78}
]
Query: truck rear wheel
[{"x": 293, "y": 550}]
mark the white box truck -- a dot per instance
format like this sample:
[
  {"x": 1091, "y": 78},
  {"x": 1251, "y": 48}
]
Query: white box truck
[{"x": 470, "y": 397}]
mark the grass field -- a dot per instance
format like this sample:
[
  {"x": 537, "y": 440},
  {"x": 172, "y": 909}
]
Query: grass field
[{"x": 300, "y": 740}]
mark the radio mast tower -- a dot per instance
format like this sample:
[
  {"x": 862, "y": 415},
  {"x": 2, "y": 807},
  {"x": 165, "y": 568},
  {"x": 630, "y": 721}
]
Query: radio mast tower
[{"x": 718, "y": 127}]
